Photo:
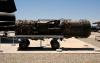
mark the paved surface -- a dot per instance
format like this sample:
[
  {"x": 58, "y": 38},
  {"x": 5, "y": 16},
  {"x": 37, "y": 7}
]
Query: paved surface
[
  {"x": 91, "y": 39},
  {"x": 71, "y": 45},
  {"x": 81, "y": 50}
]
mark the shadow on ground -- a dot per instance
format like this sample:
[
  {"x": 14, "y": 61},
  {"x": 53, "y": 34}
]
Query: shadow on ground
[{"x": 50, "y": 49}]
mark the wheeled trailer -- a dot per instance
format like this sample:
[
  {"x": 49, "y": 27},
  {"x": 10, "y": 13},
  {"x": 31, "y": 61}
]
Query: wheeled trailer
[{"x": 24, "y": 40}]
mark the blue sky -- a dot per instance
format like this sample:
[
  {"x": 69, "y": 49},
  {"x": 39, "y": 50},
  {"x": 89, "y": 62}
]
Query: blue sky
[{"x": 57, "y": 9}]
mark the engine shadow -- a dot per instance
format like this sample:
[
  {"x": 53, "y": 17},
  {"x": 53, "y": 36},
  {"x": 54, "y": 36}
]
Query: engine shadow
[{"x": 50, "y": 49}]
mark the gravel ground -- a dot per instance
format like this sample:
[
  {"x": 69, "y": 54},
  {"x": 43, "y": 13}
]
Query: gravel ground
[{"x": 49, "y": 58}]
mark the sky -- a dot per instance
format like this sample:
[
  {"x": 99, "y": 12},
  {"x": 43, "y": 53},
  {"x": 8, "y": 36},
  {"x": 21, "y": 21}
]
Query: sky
[{"x": 57, "y": 9}]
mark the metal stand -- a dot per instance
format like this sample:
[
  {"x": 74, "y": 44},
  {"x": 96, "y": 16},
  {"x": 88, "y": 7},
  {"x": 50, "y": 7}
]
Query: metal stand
[
  {"x": 40, "y": 43},
  {"x": 13, "y": 43},
  {"x": 1, "y": 50}
]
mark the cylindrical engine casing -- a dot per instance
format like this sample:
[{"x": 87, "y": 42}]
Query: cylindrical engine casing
[
  {"x": 81, "y": 28},
  {"x": 7, "y": 16},
  {"x": 9, "y": 28},
  {"x": 7, "y": 21},
  {"x": 7, "y": 6}
]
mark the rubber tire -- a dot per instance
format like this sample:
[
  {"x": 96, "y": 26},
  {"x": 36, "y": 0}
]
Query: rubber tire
[
  {"x": 23, "y": 45},
  {"x": 51, "y": 42},
  {"x": 28, "y": 42},
  {"x": 54, "y": 44}
]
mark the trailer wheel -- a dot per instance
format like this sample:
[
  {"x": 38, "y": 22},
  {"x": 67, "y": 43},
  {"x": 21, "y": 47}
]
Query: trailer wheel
[
  {"x": 51, "y": 42},
  {"x": 24, "y": 44},
  {"x": 55, "y": 44},
  {"x": 28, "y": 42}
]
